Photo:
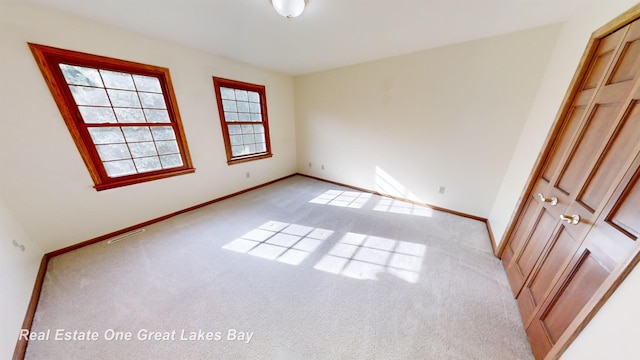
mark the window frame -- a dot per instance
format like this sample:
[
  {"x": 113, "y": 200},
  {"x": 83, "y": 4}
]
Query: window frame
[
  {"x": 261, "y": 90},
  {"x": 48, "y": 59}
]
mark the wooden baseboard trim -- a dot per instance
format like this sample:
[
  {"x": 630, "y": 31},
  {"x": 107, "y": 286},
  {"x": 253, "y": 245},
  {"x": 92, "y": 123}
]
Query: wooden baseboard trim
[
  {"x": 503, "y": 246},
  {"x": 158, "y": 219},
  {"x": 21, "y": 346},
  {"x": 469, "y": 216},
  {"x": 492, "y": 239}
]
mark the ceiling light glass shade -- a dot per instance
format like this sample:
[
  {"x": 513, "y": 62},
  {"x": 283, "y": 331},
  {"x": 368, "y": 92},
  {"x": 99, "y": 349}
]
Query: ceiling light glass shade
[{"x": 289, "y": 8}]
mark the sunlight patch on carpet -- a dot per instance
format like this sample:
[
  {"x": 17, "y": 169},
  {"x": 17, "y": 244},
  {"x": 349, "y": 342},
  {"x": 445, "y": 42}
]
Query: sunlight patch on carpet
[
  {"x": 283, "y": 242},
  {"x": 350, "y": 199},
  {"x": 364, "y": 257}
]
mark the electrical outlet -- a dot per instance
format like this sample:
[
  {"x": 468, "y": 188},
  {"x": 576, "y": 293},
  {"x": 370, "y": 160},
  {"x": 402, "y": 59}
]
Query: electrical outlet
[
  {"x": 309, "y": 164},
  {"x": 248, "y": 175},
  {"x": 323, "y": 167},
  {"x": 441, "y": 191}
]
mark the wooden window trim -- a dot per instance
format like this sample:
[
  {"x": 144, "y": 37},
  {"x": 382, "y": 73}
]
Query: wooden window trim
[
  {"x": 260, "y": 89},
  {"x": 48, "y": 60}
]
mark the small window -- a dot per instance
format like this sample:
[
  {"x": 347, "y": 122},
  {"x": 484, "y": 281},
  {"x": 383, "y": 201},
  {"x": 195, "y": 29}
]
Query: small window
[
  {"x": 243, "y": 115},
  {"x": 123, "y": 116}
]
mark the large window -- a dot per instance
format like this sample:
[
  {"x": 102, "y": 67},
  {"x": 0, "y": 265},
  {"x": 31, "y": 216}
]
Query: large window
[
  {"x": 243, "y": 115},
  {"x": 123, "y": 116}
]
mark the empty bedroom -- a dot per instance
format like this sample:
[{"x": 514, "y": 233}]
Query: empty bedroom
[{"x": 319, "y": 179}]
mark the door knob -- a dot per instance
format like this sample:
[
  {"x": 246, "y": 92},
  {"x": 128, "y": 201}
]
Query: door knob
[
  {"x": 552, "y": 201},
  {"x": 570, "y": 219}
]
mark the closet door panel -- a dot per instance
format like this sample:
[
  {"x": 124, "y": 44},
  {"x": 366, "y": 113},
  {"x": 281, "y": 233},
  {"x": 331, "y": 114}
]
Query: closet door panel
[
  {"x": 591, "y": 139},
  {"x": 523, "y": 263},
  {"x": 569, "y": 130},
  {"x": 612, "y": 163},
  {"x": 527, "y": 221},
  {"x": 563, "y": 247},
  {"x": 629, "y": 67},
  {"x": 585, "y": 278}
]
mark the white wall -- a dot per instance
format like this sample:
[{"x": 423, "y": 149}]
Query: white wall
[
  {"x": 18, "y": 271},
  {"x": 613, "y": 333},
  {"x": 444, "y": 117},
  {"x": 44, "y": 181}
]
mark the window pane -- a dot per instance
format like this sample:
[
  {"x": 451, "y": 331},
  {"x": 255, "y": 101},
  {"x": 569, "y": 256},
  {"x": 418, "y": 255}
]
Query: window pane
[
  {"x": 137, "y": 133},
  {"x": 78, "y": 75},
  {"x": 113, "y": 152},
  {"x": 147, "y": 83},
  {"x": 229, "y": 105},
  {"x": 170, "y": 161},
  {"x": 123, "y": 98},
  {"x": 258, "y": 129},
  {"x": 89, "y": 96},
  {"x": 97, "y": 115},
  {"x": 106, "y": 135},
  {"x": 254, "y": 96},
  {"x": 237, "y": 150},
  {"x": 157, "y": 116},
  {"x": 262, "y": 147},
  {"x": 248, "y": 139},
  {"x": 254, "y": 107},
  {"x": 252, "y": 148},
  {"x": 235, "y": 129},
  {"x": 119, "y": 168},
  {"x": 129, "y": 115},
  {"x": 247, "y": 129},
  {"x": 260, "y": 138},
  {"x": 141, "y": 149},
  {"x": 148, "y": 164},
  {"x": 244, "y": 116},
  {"x": 117, "y": 80},
  {"x": 227, "y": 93},
  {"x": 167, "y": 147},
  {"x": 163, "y": 133},
  {"x": 243, "y": 106},
  {"x": 236, "y": 139},
  {"x": 256, "y": 117},
  {"x": 242, "y": 95},
  {"x": 231, "y": 116},
  {"x": 152, "y": 101}
]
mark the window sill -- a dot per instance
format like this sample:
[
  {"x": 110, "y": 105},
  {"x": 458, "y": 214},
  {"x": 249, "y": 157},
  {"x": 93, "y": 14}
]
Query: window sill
[
  {"x": 239, "y": 160},
  {"x": 125, "y": 182}
]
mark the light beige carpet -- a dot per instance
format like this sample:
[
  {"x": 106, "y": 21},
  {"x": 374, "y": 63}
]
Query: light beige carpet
[{"x": 300, "y": 269}]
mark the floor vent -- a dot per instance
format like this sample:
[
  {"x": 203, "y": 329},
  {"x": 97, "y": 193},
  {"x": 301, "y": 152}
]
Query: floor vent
[{"x": 124, "y": 236}]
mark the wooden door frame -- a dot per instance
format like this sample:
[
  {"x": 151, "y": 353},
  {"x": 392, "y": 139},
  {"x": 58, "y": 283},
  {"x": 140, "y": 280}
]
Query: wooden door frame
[{"x": 616, "y": 278}]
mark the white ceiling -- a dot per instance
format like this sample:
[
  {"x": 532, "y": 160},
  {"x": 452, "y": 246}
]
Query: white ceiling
[{"x": 329, "y": 34}]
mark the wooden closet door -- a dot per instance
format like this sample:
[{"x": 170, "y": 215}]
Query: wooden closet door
[
  {"x": 584, "y": 121},
  {"x": 609, "y": 244},
  {"x": 554, "y": 267}
]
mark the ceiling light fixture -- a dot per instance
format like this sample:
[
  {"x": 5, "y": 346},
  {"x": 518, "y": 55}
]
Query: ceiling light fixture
[{"x": 289, "y": 8}]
